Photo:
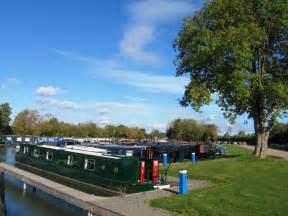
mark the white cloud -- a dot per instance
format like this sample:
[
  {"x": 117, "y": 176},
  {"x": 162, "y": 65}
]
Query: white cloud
[
  {"x": 133, "y": 44},
  {"x": 48, "y": 91},
  {"x": 12, "y": 81},
  {"x": 144, "y": 19},
  {"x": 151, "y": 11},
  {"x": 149, "y": 82},
  {"x": 210, "y": 118},
  {"x": 103, "y": 120},
  {"x": 56, "y": 103},
  {"x": 135, "y": 99},
  {"x": 72, "y": 55},
  {"x": 148, "y": 125},
  {"x": 102, "y": 108}
]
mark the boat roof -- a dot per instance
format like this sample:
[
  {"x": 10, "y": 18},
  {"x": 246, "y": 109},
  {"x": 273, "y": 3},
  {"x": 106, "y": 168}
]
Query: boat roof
[
  {"x": 90, "y": 149},
  {"x": 82, "y": 150},
  {"x": 122, "y": 146}
]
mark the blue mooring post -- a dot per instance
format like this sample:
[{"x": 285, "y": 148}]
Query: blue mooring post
[
  {"x": 164, "y": 159},
  {"x": 217, "y": 147},
  {"x": 225, "y": 149},
  {"x": 220, "y": 149},
  {"x": 183, "y": 181},
  {"x": 193, "y": 157}
]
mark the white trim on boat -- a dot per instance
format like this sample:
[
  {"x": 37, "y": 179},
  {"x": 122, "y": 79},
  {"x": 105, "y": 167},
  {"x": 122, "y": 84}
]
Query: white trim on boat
[{"x": 82, "y": 150}]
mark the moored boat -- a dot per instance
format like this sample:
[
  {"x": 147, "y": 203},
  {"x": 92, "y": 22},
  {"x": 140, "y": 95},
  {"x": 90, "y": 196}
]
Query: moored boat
[{"x": 93, "y": 166}]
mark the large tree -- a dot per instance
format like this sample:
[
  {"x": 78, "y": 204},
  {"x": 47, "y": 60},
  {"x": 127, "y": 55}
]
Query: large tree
[
  {"x": 185, "y": 129},
  {"x": 237, "y": 50},
  {"x": 26, "y": 122},
  {"x": 5, "y": 118},
  {"x": 156, "y": 134},
  {"x": 210, "y": 132}
]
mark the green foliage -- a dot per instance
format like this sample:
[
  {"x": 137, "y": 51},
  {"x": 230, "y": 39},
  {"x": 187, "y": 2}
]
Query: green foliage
[
  {"x": 279, "y": 134},
  {"x": 240, "y": 137},
  {"x": 29, "y": 122},
  {"x": 156, "y": 134},
  {"x": 137, "y": 133},
  {"x": 237, "y": 49},
  {"x": 90, "y": 129},
  {"x": 110, "y": 131},
  {"x": 235, "y": 188},
  {"x": 241, "y": 133},
  {"x": 191, "y": 130},
  {"x": 210, "y": 132},
  {"x": 5, "y": 118},
  {"x": 122, "y": 131},
  {"x": 26, "y": 122}
]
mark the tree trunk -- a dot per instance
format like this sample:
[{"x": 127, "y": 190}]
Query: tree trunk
[
  {"x": 261, "y": 143},
  {"x": 261, "y": 125}
]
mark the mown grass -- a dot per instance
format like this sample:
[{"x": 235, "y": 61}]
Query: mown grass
[{"x": 241, "y": 185}]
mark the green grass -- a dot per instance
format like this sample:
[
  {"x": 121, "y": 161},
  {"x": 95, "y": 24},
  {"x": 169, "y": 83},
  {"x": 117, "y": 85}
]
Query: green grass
[{"x": 241, "y": 185}]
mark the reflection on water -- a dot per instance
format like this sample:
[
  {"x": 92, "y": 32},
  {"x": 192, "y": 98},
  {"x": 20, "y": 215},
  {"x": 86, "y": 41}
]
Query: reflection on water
[{"x": 31, "y": 203}]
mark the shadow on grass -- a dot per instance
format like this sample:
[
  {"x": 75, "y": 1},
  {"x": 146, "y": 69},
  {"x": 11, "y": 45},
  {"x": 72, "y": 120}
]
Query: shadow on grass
[
  {"x": 230, "y": 156},
  {"x": 219, "y": 157},
  {"x": 275, "y": 157}
]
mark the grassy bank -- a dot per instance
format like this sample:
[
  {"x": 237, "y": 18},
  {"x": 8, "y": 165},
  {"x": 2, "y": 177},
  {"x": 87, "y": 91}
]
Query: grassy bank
[{"x": 242, "y": 185}]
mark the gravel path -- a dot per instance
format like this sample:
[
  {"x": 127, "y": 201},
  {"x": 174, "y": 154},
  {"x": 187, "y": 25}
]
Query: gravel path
[
  {"x": 270, "y": 152},
  {"x": 138, "y": 204}
]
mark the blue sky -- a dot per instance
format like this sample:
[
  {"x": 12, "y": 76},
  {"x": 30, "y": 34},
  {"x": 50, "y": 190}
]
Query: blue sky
[{"x": 109, "y": 62}]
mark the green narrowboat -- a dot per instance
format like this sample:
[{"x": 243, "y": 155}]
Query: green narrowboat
[{"x": 92, "y": 165}]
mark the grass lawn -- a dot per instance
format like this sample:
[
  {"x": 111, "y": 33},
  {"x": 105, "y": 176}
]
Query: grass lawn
[{"x": 242, "y": 185}]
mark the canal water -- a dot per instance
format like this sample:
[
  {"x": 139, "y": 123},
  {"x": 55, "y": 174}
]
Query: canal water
[{"x": 29, "y": 203}]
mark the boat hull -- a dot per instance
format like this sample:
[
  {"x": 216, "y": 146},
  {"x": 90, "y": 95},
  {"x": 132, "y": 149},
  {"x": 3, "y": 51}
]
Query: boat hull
[{"x": 116, "y": 174}]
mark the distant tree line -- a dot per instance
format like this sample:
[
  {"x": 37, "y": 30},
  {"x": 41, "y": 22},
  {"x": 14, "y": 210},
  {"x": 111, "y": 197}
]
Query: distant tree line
[
  {"x": 279, "y": 135},
  {"x": 242, "y": 136},
  {"x": 30, "y": 122},
  {"x": 192, "y": 130}
]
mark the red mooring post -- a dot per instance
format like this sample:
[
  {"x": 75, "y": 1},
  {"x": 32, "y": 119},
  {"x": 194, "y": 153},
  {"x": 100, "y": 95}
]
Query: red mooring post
[
  {"x": 155, "y": 173},
  {"x": 142, "y": 172}
]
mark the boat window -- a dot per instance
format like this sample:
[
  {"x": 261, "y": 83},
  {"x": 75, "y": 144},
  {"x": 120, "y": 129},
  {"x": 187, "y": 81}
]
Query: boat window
[
  {"x": 89, "y": 164},
  {"x": 49, "y": 155},
  {"x": 17, "y": 148},
  {"x": 36, "y": 153},
  {"x": 70, "y": 160},
  {"x": 115, "y": 169},
  {"x": 25, "y": 150}
]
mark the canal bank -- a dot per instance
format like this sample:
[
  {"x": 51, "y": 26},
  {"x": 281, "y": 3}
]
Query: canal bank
[
  {"x": 126, "y": 204},
  {"x": 29, "y": 203}
]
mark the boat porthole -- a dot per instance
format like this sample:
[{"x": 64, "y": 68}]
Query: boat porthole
[
  {"x": 115, "y": 169},
  {"x": 103, "y": 167}
]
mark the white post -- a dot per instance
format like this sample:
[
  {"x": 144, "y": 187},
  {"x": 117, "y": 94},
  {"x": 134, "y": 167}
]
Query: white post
[{"x": 24, "y": 186}]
